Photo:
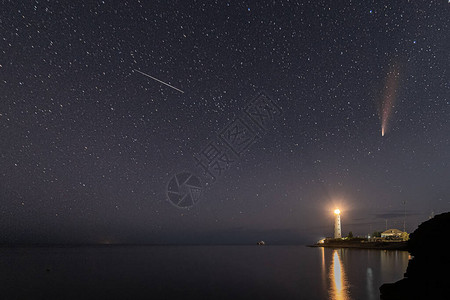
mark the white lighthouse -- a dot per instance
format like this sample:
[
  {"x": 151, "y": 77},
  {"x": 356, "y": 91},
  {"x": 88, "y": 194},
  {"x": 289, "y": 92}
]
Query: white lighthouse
[{"x": 337, "y": 224}]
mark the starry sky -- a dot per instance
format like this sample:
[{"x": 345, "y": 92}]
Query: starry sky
[{"x": 88, "y": 145}]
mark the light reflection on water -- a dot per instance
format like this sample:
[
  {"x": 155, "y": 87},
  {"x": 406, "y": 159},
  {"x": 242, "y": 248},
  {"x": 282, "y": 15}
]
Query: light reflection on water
[
  {"x": 339, "y": 285},
  {"x": 350, "y": 273},
  {"x": 370, "y": 287}
]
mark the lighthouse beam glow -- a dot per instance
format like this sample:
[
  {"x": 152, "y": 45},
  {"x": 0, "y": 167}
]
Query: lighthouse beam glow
[{"x": 389, "y": 97}]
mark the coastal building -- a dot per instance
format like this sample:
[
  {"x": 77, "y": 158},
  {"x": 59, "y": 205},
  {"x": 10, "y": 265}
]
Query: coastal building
[
  {"x": 394, "y": 234},
  {"x": 337, "y": 224}
]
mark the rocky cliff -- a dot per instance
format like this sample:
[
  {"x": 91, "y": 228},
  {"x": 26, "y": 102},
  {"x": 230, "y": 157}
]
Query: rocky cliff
[{"x": 427, "y": 275}]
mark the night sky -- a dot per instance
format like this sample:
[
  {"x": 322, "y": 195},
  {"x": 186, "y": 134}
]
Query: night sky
[{"x": 89, "y": 145}]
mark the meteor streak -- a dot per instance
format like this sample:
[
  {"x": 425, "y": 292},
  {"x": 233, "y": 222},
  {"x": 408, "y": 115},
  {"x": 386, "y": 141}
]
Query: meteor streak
[{"x": 171, "y": 86}]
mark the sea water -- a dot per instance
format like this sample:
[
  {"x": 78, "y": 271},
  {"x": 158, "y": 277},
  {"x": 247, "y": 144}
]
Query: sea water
[{"x": 196, "y": 272}]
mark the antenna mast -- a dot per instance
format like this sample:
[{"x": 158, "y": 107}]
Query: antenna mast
[{"x": 404, "y": 215}]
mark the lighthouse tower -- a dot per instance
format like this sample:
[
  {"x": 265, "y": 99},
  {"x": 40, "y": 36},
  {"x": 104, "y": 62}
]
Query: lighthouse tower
[{"x": 337, "y": 224}]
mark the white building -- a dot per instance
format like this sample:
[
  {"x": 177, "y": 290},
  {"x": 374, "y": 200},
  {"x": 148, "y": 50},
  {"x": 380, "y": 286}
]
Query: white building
[{"x": 394, "y": 234}]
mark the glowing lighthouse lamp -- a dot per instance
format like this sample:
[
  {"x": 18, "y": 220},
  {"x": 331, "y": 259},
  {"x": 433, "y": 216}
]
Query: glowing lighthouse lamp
[{"x": 337, "y": 224}]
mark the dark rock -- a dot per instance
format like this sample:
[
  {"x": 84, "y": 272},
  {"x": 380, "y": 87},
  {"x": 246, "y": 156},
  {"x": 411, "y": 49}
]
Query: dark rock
[{"x": 427, "y": 275}]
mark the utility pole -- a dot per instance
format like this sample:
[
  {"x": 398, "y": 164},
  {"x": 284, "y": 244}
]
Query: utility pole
[{"x": 404, "y": 215}]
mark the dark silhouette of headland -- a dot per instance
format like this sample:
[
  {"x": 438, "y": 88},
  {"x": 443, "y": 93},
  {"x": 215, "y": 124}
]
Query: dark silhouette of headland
[{"x": 427, "y": 275}]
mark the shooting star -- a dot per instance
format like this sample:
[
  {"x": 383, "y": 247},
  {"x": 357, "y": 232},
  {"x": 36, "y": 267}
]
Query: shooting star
[{"x": 171, "y": 86}]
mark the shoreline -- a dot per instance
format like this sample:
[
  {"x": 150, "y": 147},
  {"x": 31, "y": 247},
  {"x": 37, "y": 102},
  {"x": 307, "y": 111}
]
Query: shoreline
[{"x": 366, "y": 245}]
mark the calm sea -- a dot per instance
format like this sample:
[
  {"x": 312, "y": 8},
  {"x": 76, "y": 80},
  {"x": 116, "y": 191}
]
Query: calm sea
[{"x": 197, "y": 272}]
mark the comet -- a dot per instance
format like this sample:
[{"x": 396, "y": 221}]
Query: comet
[
  {"x": 171, "y": 86},
  {"x": 389, "y": 97}
]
